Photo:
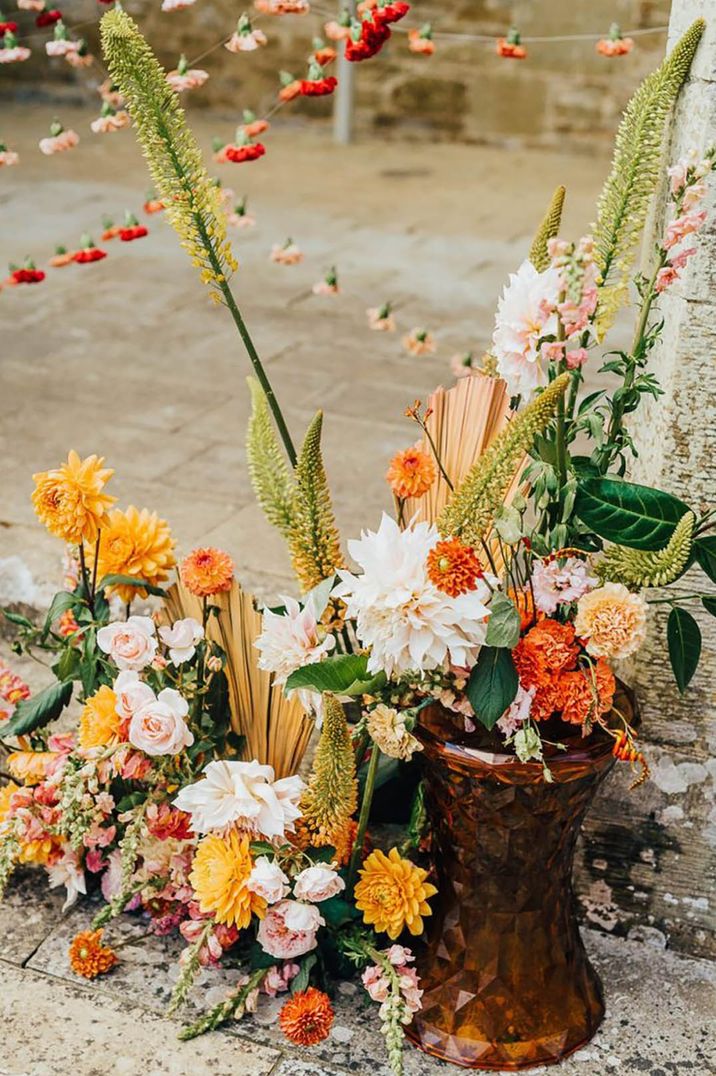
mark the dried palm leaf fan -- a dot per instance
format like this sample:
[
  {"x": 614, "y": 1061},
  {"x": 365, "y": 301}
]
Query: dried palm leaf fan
[
  {"x": 462, "y": 423},
  {"x": 276, "y": 729}
]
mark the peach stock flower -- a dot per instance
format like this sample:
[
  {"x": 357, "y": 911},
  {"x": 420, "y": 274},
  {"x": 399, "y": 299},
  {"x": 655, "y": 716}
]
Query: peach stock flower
[
  {"x": 135, "y": 543},
  {"x": 306, "y": 1018},
  {"x": 419, "y": 342},
  {"x": 221, "y": 869},
  {"x": 392, "y": 894},
  {"x": 88, "y": 957},
  {"x": 612, "y": 620},
  {"x": 70, "y": 500},
  {"x": 454, "y": 567},
  {"x": 411, "y": 472},
  {"x": 207, "y": 571},
  {"x": 99, "y": 722}
]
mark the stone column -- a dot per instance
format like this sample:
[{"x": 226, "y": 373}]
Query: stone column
[{"x": 673, "y": 820}]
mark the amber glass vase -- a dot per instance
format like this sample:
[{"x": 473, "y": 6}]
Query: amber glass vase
[{"x": 507, "y": 981}]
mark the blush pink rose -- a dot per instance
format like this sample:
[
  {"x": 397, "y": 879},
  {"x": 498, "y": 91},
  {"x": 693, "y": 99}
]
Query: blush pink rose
[
  {"x": 287, "y": 932},
  {"x": 318, "y": 883},
  {"x": 131, "y": 692},
  {"x": 159, "y": 728},
  {"x": 131, "y": 643}
]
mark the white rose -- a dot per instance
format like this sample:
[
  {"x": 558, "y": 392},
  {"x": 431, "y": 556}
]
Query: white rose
[
  {"x": 181, "y": 639},
  {"x": 303, "y": 918},
  {"x": 158, "y": 727},
  {"x": 318, "y": 883},
  {"x": 268, "y": 880},
  {"x": 130, "y": 643},
  {"x": 131, "y": 693}
]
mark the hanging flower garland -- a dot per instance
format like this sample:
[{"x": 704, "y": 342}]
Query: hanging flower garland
[
  {"x": 245, "y": 38},
  {"x": 421, "y": 41},
  {"x": 186, "y": 78},
  {"x": 59, "y": 140},
  {"x": 10, "y": 51},
  {"x": 88, "y": 252},
  {"x": 615, "y": 44},
  {"x": 8, "y": 157}
]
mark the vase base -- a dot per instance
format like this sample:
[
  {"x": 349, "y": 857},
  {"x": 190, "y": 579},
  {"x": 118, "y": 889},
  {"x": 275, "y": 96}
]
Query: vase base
[{"x": 498, "y": 1057}]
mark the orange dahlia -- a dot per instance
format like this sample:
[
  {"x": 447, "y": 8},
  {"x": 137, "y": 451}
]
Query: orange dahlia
[
  {"x": 70, "y": 501},
  {"x": 306, "y": 1018},
  {"x": 392, "y": 894},
  {"x": 138, "y": 544},
  {"x": 411, "y": 473},
  {"x": 89, "y": 957},
  {"x": 207, "y": 571},
  {"x": 453, "y": 567},
  {"x": 586, "y": 693},
  {"x": 99, "y": 721}
]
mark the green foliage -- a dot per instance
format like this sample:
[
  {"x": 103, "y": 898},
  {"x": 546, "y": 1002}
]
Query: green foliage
[
  {"x": 39, "y": 710},
  {"x": 344, "y": 674},
  {"x": 129, "y": 581},
  {"x": 492, "y": 685},
  {"x": 628, "y": 514},
  {"x": 684, "y": 638},
  {"x": 472, "y": 509},
  {"x": 705, "y": 551},
  {"x": 642, "y": 568},
  {"x": 270, "y": 476},
  {"x": 636, "y": 167},
  {"x": 548, "y": 229},
  {"x": 503, "y": 627},
  {"x": 313, "y": 539}
]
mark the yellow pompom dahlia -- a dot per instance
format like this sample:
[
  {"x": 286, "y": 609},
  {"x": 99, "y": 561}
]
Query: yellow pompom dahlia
[
  {"x": 99, "y": 721},
  {"x": 70, "y": 499},
  {"x": 221, "y": 869},
  {"x": 392, "y": 894},
  {"x": 136, "y": 543}
]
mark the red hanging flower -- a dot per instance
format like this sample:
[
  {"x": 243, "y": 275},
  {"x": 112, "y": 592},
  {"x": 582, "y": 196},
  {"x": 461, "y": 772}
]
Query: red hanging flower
[
  {"x": 27, "y": 275},
  {"x": 249, "y": 152},
  {"x": 48, "y": 17},
  {"x": 132, "y": 229},
  {"x": 8, "y": 27},
  {"x": 318, "y": 87},
  {"x": 88, "y": 252},
  {"x": 391, "y": 12},
  {"x": 367, "y": 39},
  {"x": 509, "y": 47},
  {"x": 615, "y": 44}
]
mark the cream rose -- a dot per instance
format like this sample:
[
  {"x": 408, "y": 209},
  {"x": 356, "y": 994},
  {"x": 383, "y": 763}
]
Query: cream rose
[
  {"x": 158, "y": 727},
  {"x": 130, "y": 643},
  {"x": 317, "y": 883},
  {"x": 131, "y": 692},
  {"x": 181, "y": 639},
  {"x": 267, "y": 880}
]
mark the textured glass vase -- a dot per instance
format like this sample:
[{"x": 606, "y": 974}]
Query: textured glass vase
[{"x": 507, "y": 981}]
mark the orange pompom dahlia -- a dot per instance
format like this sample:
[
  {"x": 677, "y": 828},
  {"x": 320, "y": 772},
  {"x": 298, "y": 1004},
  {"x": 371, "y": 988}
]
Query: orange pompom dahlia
[
  {"x": 454, "y": 567},
  {"x": 70, "y": 501},
  {"x": 207, "y": 571},
  {"x": 306, "y": 1018},
  {"x": 411, "y": 473},
  {"x": 89, "y": 957}
]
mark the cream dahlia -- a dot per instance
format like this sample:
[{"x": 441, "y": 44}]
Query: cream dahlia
[
  {"x": 292, "y": 639},
  {"x": 244, "y": 794},
  {"x": 525, "y": 314}
]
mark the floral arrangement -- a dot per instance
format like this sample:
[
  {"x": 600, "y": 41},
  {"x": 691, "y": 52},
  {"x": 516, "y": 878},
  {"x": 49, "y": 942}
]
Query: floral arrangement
[{"x": 516, "y": 573}]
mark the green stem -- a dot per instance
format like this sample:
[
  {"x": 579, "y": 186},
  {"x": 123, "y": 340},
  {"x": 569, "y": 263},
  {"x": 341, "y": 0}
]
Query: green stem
[
  {"x": 364, "y": 816},
  {"x": 233, "y": 1006},
  {"x": 85, "y": 579}
]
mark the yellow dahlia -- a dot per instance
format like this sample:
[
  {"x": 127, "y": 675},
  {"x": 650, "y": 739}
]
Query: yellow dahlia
[
  {"x": 30, "y": 767},
  {"x": 99, "y": 721},
  {"x": 41, "y": 851},
  {"x": 6, "y": 793},
  {"x": 70, "y": 500},
  {"x": 220, "y": 871},
  {"x": 392, "y": 894},
  {"x": 138, "y": 544}
]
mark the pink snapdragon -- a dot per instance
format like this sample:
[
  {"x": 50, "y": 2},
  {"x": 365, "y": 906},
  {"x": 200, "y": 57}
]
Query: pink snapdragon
[{"x": 378, "y": 983}]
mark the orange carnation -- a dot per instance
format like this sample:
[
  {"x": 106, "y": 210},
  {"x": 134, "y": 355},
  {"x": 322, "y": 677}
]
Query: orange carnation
[
  {"x": 453, "y": 567},
  {"x": 89, "y": 957},
  {"x": 306, "y": 1018},
  {"x": 411, "y": 473},
  {"x": 207, "y": 571},
  {"x": 547, "y": 649},
  {"x": 586, "y": 693}
]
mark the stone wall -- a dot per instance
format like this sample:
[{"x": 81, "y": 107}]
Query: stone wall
[{"x": 563, "y": 93}]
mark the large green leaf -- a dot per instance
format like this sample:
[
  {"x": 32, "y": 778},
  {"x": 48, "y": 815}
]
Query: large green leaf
[
  {"x": 709, "y": 603},
  {"x": 34, "y": 713},
  {"x": 60, "y": 604},
  {"x": 492, "y": 685},
  {"x": 635, "y": 516},
  {"x": 344, "y": 674},
  {"x": 503, "y": 627},
  {"x": 705, "y": 552},
  {"x": 129, "y": 581},
  {"x": 684, "y": 639}
]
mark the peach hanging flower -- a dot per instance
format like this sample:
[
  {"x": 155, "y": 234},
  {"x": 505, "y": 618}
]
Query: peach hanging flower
[
  {"x": 464, "y": 363},
  {"x": 329, "y": 284},
  {"x": 207, "y": 571},
  {"x": 61, "y": 257},
  {"x": 288, "y": 254},
  {"x": 612, "y": 620},
  {"x": 252, "y": 126},
  {"x": 322, "y": 54},
  {"x": 509, "y": 47},
  {"x": 221, "y": 869},
  {"x": 411, "y": 473},
  {"x": 60, "y": 44},
  {"x": 454, "y": 567},
  {"x": 306, "y": 1018},
  {"x": 80, "y": 56},
  {"x": 59, "y": 140},
  {"x": 380, "y": 318},
  {"x": 176, "y": 5},
  {"x": 136, "y": 543},
  {"x": 100, "y": 724},
  {"x": 239, "y": 217},
  {"x": 31, "y": 5},
  {"x": 338, "y": 29},
  {"x": 186, "y": 78},
  {"x": 88, "y": 957},
  {"x": 8, "y": 157},
  {"x": 110, "y": 120},
  {"x": 71, "y": 501},
  {"x": 615, "y": 44},
  {"x": 245, "y": 38},
  {"x": 392, "y": 894},
  {"x": 282, "y": 7},
  {"x": 419, "y": 342},
  {"x": 10, "y": 51},
  {"x": 109, "y": 92},
  {"x": 421, "y": 41}
]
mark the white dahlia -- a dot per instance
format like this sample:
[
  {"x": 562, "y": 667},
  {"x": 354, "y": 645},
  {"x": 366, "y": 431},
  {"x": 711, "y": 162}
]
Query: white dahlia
[
  {"x": 408, "y": 624},
  {"x": 291, "y": 640},
  {"x": 244, "y": 794},
  {"x": 525, "y": 313}
]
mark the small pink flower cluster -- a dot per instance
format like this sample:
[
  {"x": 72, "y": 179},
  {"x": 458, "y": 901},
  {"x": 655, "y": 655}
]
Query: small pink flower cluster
[
  {"x": 688, "y": 188},
  {"x": 377, "y": 983},
  {"x": 578, "y": 278},
  {"x": 218, "y": 939},
  {"x": 12, "y": 690}
]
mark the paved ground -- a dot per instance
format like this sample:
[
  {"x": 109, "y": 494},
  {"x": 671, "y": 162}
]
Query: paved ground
[{"x": 128, "y": 359}]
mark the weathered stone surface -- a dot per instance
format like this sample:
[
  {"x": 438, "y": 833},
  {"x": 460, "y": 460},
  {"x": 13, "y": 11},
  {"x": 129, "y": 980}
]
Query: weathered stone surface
[{"x": 28, "y": 912}]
